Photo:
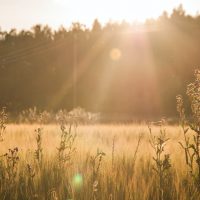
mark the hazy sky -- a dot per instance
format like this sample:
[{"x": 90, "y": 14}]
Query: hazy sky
[{"x": 26, "y": 13}]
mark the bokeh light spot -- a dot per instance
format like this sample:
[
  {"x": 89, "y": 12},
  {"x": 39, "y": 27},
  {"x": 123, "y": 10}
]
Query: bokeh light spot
[
  {"x": 77, "y": 181},
  {"x": 115, "y": 54}
]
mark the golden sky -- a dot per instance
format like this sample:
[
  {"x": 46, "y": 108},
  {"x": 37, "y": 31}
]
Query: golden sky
[{"x": 26, "y": 13}]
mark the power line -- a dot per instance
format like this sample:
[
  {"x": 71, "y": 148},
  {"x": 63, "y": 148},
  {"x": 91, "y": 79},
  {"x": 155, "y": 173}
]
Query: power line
[
  {"x": 18, "y": 55},
  {"x": 24, "y": 49}
]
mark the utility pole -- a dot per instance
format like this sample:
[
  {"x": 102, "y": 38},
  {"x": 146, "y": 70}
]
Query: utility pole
[{"x": 75, "y": 71}]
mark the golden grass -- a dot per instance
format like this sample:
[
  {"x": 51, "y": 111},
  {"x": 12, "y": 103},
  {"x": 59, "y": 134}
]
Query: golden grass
[{"x": 121, "y": 181}]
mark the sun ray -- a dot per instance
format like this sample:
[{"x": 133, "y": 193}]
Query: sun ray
[{"x": 81, "y": 68}]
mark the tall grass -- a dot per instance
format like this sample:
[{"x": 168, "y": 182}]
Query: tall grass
[
  {"x": 109, "y": 173},
  {"x": 103, "y": 162}
]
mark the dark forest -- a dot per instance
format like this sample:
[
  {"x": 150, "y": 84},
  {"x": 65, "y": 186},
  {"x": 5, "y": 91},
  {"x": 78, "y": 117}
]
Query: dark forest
[{"x": 128, "y": 69}]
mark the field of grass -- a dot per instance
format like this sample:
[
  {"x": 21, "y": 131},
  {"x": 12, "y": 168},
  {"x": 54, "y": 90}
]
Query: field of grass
[{"x": 104, "y": 162}]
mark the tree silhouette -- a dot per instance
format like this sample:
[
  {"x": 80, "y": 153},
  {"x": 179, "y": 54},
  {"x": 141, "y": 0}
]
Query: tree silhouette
[{"x": 157, "y": 61}]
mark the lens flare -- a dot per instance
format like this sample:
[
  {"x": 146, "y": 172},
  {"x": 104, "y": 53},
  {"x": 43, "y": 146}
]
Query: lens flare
[
  {"x": 77, "y": 181},
  {"x": 115, "y": 54}
]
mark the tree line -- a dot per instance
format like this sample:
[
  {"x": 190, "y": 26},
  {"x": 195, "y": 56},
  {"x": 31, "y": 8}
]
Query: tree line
[{"x": 119, "y": 69}]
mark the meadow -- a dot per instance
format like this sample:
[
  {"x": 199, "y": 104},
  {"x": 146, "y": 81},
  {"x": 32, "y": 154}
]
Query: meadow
[
  {"x": 76, "y": 158},
  {"x": 80, "y": 103},
  {"x": 115, "y": 161}
]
